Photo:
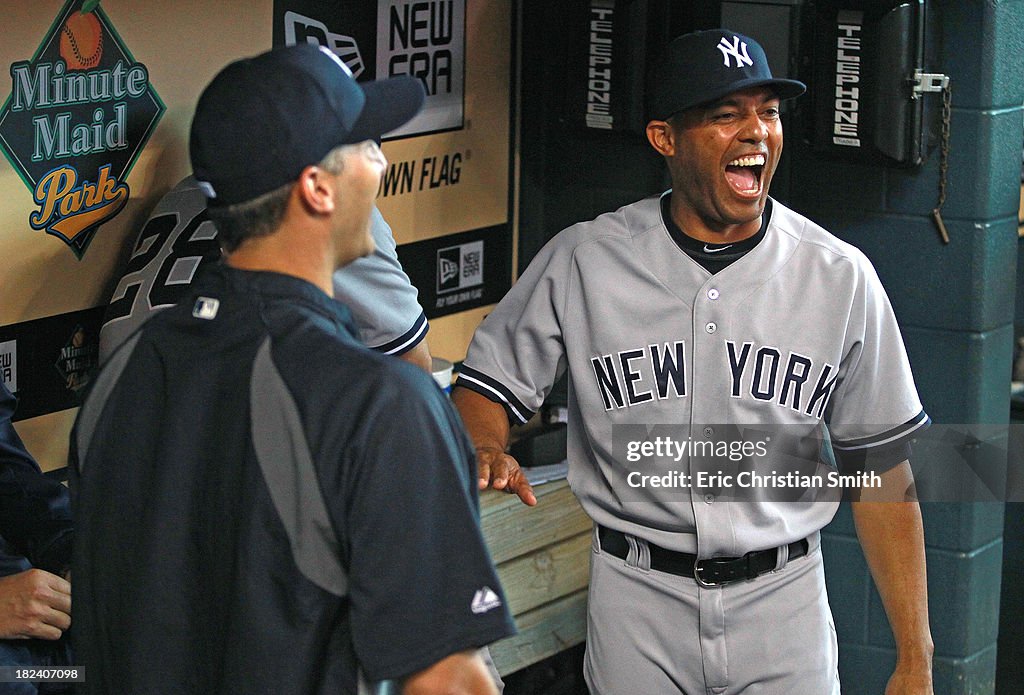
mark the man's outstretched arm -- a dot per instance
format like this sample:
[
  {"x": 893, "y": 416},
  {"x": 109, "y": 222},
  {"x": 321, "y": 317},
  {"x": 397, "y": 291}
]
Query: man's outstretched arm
[
  {"x": 888, "y": 522},
  {"x": 488, "y": 428}
]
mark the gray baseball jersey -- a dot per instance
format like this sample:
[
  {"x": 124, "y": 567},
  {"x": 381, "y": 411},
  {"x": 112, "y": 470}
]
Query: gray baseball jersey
[
  {"x": 797, "y": 333},
  {"x": 179, "y": 238}
]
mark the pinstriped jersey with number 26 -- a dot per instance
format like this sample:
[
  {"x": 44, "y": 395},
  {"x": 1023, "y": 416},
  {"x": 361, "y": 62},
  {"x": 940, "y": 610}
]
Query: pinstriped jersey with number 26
[{"x": 179, "y": 239}]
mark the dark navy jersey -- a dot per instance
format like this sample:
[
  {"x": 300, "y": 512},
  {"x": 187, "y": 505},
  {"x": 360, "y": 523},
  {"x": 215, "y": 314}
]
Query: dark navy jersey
[
  {"x": 35, "y": 511},
  {"x": 266, "y": 506}
]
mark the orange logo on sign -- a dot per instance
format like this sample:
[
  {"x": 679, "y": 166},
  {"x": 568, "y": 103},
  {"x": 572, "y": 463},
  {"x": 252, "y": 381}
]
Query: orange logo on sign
[
  {"x": 76, "y": 208},
  {"x": 81, "y": 41}
]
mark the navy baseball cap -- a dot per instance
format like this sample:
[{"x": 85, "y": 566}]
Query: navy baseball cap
[
  {"x": 704, "y": 66},
  {"x": 262, "y": 120}
]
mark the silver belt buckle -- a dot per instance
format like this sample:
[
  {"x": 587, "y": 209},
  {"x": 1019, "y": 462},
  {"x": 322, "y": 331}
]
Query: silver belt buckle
[{"x": 699, "y": 579}]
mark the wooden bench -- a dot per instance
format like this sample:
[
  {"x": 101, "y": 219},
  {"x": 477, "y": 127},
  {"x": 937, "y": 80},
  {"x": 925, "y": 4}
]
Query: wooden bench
[{"x": 543, "y": 559}]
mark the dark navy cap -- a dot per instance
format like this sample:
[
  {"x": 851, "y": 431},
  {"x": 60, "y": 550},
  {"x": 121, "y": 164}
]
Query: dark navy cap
[
  {"x": 704, "y": 66},
  {"x": 262, "y": 120}
]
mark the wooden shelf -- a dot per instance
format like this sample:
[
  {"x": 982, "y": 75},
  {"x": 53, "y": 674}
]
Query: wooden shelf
[
  {"x": 543, "y": 558},
  {"x": 543, "y": 633}
]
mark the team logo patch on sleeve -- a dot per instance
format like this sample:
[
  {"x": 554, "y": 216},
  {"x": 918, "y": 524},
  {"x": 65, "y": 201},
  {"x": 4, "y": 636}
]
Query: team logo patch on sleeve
[{"x": 206, "y": 308}]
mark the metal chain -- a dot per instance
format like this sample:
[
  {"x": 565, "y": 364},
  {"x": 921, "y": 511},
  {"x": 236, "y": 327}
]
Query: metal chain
[{"x": 947, "y": 113}]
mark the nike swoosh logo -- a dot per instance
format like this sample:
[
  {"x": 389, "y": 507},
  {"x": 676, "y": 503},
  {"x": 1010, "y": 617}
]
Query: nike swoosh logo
[{"x": 723, "y": 248}]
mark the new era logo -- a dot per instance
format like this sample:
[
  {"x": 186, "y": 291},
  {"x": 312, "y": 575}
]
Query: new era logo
[
  {"x": 9, "y": 364},
  {"x": 460, "y": 267},
  {"x": 448, "y": 270},
  {"x": 484, "y": 600},
  {"x": 344, "y": 49},
  {"x": 737, "y": 49}
]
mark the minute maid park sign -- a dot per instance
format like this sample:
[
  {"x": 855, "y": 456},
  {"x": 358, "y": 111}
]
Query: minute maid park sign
[{"x": 79, "y": 113}]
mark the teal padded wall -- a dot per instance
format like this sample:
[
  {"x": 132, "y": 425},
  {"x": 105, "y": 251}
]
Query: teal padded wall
[{"x": 955, "y": 303}]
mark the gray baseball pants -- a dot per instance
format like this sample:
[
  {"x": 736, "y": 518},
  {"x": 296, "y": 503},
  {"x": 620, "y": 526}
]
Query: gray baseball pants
[{"x": 654, "y": 633}]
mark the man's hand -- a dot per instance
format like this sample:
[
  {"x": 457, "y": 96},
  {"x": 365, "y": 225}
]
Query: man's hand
[
  {"x": 34, "y": 604},
  {"x": 502, "y": 472},
  {"x": 487, "y": 426},
  {"x": 910, "y": 681},
  {"x": 462, "y": 673}
]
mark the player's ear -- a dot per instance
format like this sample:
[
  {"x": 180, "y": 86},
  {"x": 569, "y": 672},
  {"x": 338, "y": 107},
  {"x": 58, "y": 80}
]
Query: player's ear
[
  {"x": 317, "y": 190},
  {"x": 662, "y": 137}
]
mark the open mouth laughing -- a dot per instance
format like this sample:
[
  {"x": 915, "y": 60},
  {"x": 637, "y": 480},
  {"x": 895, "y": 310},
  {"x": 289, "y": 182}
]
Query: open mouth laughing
[{"x": 744, "y": 175}]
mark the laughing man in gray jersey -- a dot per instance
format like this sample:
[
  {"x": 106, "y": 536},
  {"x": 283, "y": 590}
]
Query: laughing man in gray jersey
[{"x": 710, "y": 308}]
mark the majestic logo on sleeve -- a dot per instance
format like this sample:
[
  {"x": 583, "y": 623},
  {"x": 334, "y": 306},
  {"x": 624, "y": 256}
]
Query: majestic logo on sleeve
[
  {"x": 484, "y": 600},
  {"x": 79, "y": 114},
  {"x": 658, "y": 372}
]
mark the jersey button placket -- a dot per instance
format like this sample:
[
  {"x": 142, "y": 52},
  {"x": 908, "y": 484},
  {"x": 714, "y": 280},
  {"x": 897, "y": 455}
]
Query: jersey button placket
[{"x": 706, "y": 337}]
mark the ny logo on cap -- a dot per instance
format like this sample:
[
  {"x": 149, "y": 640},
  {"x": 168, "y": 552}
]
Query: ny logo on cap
[{"x": 737, "y": 49}]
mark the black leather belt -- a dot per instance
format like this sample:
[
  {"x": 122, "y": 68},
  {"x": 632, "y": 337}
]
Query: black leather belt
[{"x": 715, "y": 571}]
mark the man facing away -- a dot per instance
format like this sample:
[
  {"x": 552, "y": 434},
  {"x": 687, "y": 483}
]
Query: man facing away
[{"x": 254, "y": 514}]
